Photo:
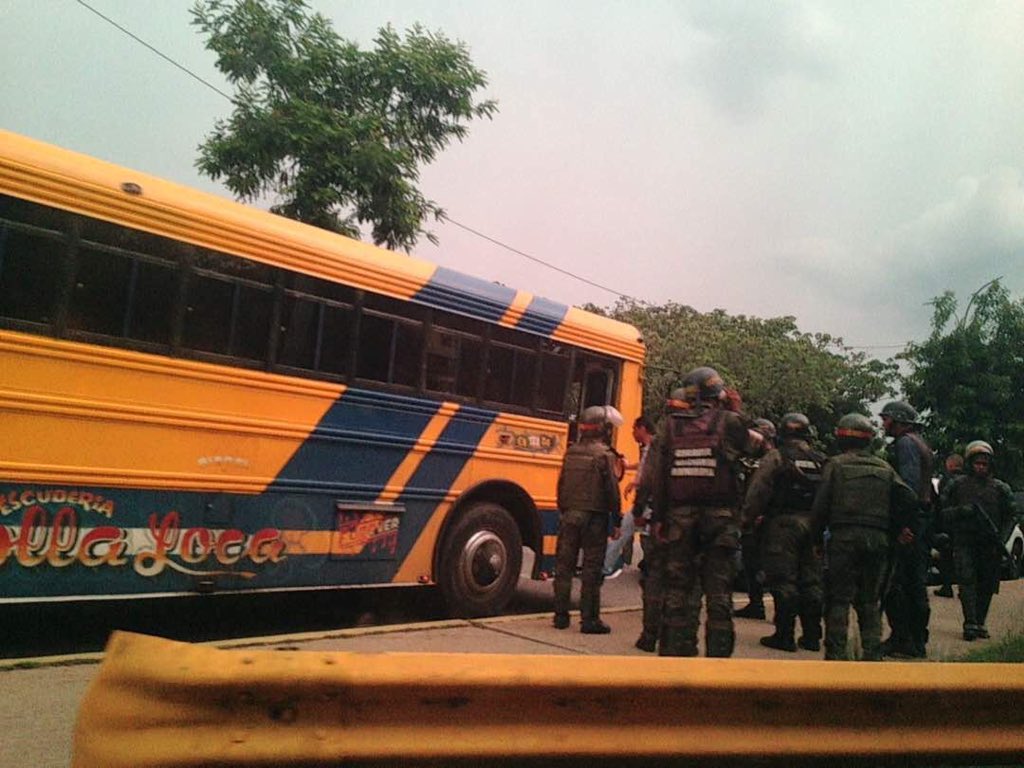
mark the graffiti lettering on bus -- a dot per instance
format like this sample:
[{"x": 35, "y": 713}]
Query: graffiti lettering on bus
[
  {"x": 375, "y": 533},
  {"x": 172, "y": 542},
  {"x": 60, "y": 540},
  {"x": 13, "y": 501}
]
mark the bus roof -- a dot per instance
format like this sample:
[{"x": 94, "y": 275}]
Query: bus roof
[{"x": 53, "y": 176}]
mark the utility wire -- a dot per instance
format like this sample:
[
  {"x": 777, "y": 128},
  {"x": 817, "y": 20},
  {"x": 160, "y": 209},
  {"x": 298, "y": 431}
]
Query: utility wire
[
  {"x": 447, "y": 218},
  {"x": 163, "y": 56},
  {"x": 209, "y": 85},
  {"x": 541, "y": 261}
]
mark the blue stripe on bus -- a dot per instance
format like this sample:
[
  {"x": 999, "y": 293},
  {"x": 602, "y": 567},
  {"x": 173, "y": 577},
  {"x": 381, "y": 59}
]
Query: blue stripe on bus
[
  {"x": 455, "y": 446},
  {"x": 543, "y": 316},
  {"x": 454, "y": 291},
  {"x": 358, "y": 445}
]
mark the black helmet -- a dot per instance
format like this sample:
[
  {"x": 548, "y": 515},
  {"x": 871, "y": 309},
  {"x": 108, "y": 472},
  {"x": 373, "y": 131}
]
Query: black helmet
[
  {"x": 900, "y": 412},
  {"x": 765, "y": 427},
  {"x": 702, "y": 384},
  {"x": 854, "y": 430},
  {"x": 795, "y": 425}
]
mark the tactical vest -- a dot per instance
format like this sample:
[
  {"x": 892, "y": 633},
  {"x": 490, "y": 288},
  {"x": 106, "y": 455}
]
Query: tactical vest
[
  {"x": 963, "y": 518},
  {"x": 800, "y": 479},
  {"x": 862, "y": 491},
  {"x": 583, "y": 471},
  {"x": 700, "y": 474}
]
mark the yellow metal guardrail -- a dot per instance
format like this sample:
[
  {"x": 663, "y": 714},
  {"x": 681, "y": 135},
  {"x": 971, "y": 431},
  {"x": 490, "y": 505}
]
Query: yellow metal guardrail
[{"x": 161, "y": 703}]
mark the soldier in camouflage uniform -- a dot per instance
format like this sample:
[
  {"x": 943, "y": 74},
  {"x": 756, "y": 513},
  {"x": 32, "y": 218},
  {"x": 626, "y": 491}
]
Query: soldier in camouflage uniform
[
  {"x": 863, "y": 502},
  {"x": 752, "y": 534},
  {"x": 695, "y": 495},
  {"x": 980, "y": 511},
  {"x": 589, "y": 505},
  {"x": 781, "y": 494},
  {"x": 652, "y": 567}
]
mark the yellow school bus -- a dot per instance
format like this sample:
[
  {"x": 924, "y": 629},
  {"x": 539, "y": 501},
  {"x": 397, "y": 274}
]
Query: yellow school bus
[{"x": 198, "y": 396}]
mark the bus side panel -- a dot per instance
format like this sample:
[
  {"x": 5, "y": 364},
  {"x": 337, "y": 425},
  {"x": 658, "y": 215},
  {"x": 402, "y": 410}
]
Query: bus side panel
[
  {"x": 515, "y": 451},
  {"x": 251, "y": 481}
]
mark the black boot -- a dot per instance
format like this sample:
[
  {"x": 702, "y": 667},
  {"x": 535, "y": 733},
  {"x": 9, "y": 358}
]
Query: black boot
[
  {"x": 779, "y": 642},
  {"x": 647, "y": 642},
  {"x": 751, "y": 611},
  {"x": 809, "y": 643},
  {"x": 561, "y": 621},
  {"x": 595, "y": 627}
]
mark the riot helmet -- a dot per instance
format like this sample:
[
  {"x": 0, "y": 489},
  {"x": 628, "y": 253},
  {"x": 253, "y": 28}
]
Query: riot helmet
[
  {"x": 598, "y": 420},
  {"x": 702, "y": 384},
  {"x": 901, "y": 412},
  {"x": 794, "y": 425},
  {"x": 677, "y": 401},
  {"x": 766, "y": 428},
  {"x": 854, "y": 430},
  {"x": 978, "y": 450}
]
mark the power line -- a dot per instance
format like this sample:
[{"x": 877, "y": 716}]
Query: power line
[
  {"x": 541, "y": 261},
  {"x": 163, "y": 56},
  {"x": 447, "y": 218},
  {"x": 209, "y": 85}
]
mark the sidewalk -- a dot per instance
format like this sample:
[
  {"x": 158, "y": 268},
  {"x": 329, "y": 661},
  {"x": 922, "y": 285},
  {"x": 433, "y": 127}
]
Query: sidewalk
[{"x": 533, "y": 634}]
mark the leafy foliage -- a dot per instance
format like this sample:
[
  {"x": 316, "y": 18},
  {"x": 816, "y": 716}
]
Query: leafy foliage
[
  {"x": 776, "y": 367},
  {"x": 968, "y": 376},
  {"x": 337, "y": 133}
]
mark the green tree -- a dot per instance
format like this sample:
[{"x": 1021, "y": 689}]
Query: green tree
[
  {"x": 967, "y": 378},
  {"x": 776, "y": 367},
  {"x": 336, "y": 133}
]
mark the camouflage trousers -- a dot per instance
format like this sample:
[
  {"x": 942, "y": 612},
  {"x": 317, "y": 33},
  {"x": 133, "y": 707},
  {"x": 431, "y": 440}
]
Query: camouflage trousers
[
  {"x": 976, "y": 565},
  {"x": 578, "y": 529},
  {"x": 751, "y": 543},
  {"x": 701, "y": 545},
  {"x": 857, "y": 561},
  {"x": 652, "y": 584},
  {"x": 793, "y": 574}
]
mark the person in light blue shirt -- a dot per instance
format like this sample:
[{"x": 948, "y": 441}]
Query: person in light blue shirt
[{"x": 620, "y": 551}]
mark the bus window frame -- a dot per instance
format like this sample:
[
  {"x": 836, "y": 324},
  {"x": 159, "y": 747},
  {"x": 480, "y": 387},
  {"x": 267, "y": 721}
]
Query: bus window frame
[{"x": 190, "y": 262}]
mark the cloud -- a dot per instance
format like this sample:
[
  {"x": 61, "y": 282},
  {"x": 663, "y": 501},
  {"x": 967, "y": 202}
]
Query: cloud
[
  {"x": 958, "y": 244},
  {"x": 751, "y": 47},
  {"x": 982, "y": 222}
]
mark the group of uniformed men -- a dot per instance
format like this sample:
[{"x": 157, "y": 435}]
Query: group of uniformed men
[{"x": 714, "y": 478}]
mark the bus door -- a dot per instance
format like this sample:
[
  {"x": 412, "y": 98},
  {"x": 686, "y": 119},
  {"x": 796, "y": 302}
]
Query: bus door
[{"x": 594, "y": 382}]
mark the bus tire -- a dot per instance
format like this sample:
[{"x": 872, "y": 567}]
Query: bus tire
[{"x": 480, "y": 561}]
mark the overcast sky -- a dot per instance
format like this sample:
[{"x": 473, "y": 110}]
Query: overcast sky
[{"x": 842, "y": 162}]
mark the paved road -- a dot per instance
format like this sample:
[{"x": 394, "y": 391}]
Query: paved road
[{"x": 38, "y": 707}]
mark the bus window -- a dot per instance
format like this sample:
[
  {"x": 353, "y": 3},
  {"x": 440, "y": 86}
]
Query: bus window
[
  {"x": 593, "y": 383},
  {"x": 296, "y": 346},
  {"x": 597, "y": 387},
  {"x": 389, "y": 350},
  {"x": 250, "y": 326},
  {"x": 554, "y": 377},
  {"x": 152, "y": 303},
  {"x": 33, "y": 247},
  {"x": 336, "y": 339},
  {"x": 208, "y": 313}
]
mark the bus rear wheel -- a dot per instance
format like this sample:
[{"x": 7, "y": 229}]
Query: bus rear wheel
[{"x": 480, "y": 561}]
